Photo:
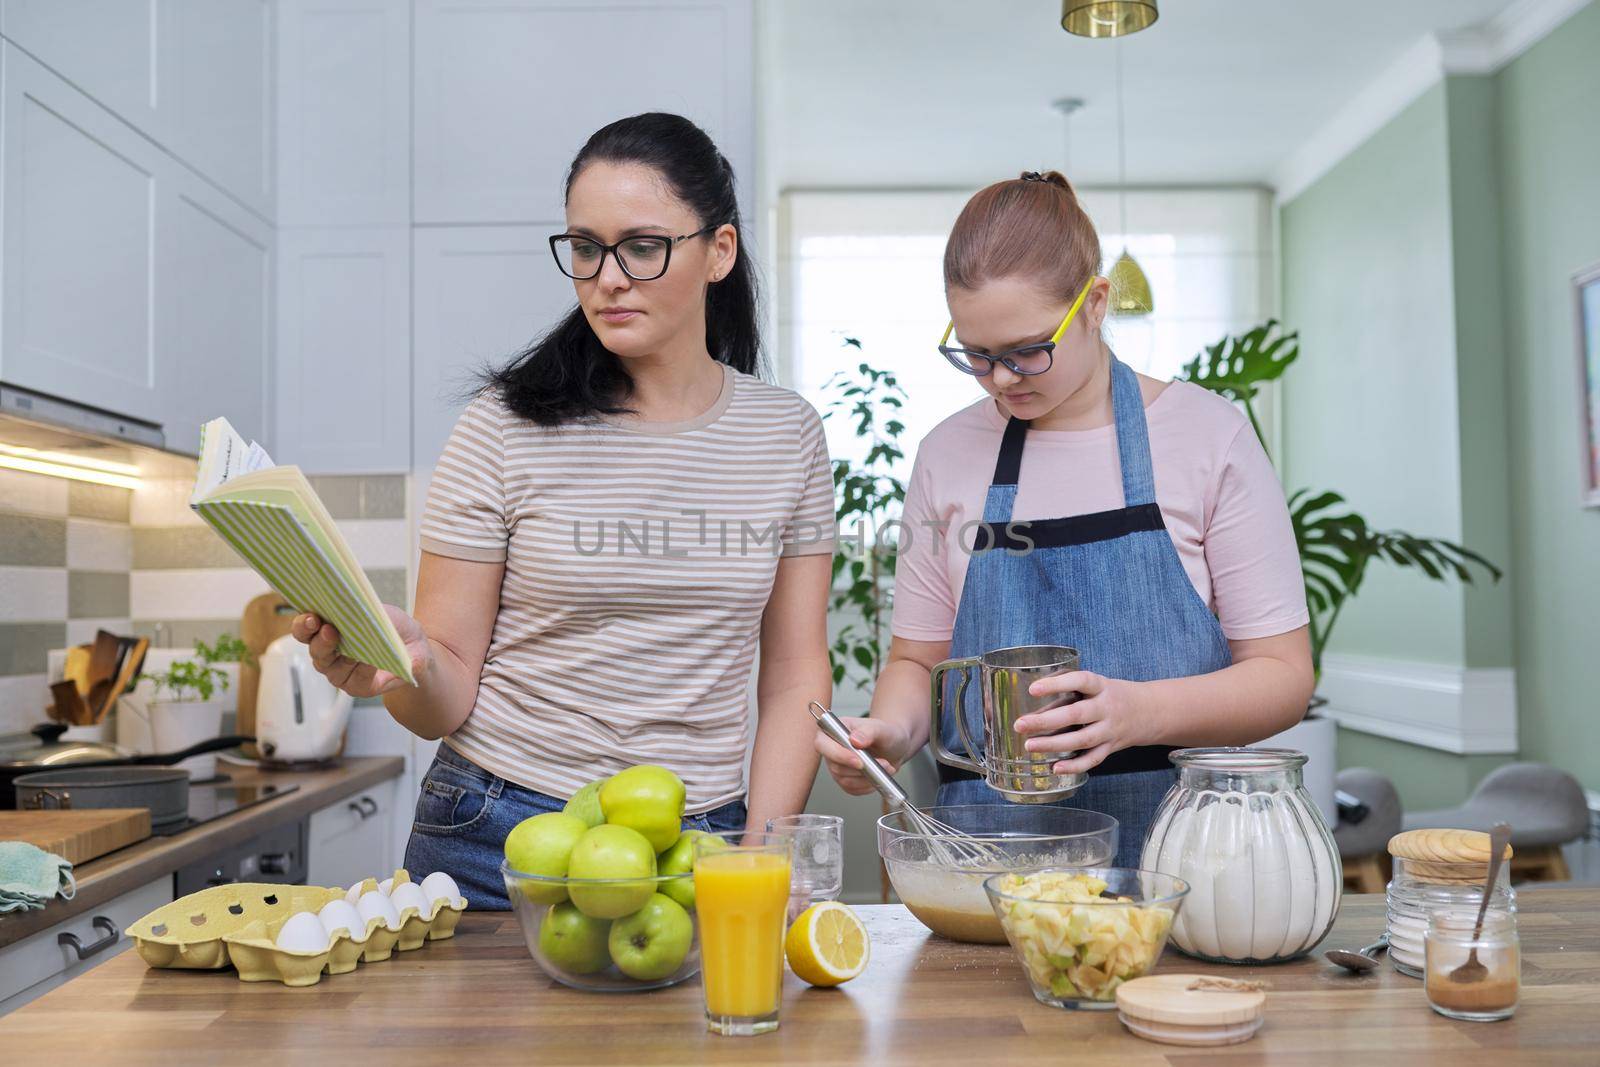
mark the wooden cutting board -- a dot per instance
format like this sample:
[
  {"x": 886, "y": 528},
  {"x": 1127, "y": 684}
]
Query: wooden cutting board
[{"x": 79, "y": 836}]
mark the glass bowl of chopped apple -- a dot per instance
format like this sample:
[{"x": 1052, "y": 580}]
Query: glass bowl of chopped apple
[{"x": 1079, "y": 933}]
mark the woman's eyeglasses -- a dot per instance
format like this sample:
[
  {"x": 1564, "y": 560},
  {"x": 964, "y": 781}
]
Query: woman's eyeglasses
[
  {"x": 643, "y": 258},
  {"x": 1026, "y": 360}
]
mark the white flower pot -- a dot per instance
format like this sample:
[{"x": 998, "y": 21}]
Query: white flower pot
[{"x": 177, "y": 724}]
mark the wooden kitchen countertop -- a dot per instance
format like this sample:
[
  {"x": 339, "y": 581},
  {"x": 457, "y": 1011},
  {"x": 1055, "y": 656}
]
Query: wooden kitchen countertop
[
  {"x": 129, "y": 868},
  {"x": 479, "y": 1000}
]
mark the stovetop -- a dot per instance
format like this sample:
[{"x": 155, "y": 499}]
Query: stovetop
[{"x": 213, "y": 798}]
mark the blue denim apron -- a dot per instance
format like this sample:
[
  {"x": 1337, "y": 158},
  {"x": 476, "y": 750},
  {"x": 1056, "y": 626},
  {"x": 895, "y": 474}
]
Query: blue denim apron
[{"x": 1109, "y": 584}]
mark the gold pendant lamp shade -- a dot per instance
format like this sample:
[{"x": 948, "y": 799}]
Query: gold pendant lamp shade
[
  {"x": 1130, "y": 289},
  {"x": 1107, "y": 18}
]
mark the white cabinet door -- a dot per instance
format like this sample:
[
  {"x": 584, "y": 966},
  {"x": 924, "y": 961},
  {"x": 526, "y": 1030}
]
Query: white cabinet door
[
  {"x": 344, "y": 112},
  {"x": 481, "y": 294},
  {"x": 217, "y": 69},
  {"x": 352, "y": 839},
  {"x": 107, "y": 48},
  {"x": 344, "y": 349},
  {"x": 81, "y": 228},
  {"x": 214, "y": 313},
  {"x": 35, "y": 965},
  {"x": 506, "y": 93}
]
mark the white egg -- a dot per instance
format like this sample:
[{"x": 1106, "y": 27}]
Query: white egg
[
  {"x": 302, "y": 933},
  {"x": 376, "y": 904},
  {"x": 337, "y": 914},
  {"x": 438, "y": 884},
  {"x": 409, "y": 895},
  {"x": 386, "y": 886},
  {"x": 355, "y": 892}
]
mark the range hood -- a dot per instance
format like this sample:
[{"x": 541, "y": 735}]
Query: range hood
[{"x": 33, "y": 423}]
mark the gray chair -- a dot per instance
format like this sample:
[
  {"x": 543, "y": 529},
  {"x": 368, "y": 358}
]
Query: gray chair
[
  {"x": 1363, "y": 846},
  {"x": 1544, "y": 805}
]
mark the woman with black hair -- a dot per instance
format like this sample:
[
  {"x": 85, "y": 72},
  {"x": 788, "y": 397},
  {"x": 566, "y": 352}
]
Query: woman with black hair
[{"x": 619, "y": 514}]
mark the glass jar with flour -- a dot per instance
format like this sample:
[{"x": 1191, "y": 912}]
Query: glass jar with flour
[{"x": 1263, "y": 871}]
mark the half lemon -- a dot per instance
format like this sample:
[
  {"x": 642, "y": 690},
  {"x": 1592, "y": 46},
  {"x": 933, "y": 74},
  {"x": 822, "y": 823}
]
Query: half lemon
[{"x": 827, "y": 944}]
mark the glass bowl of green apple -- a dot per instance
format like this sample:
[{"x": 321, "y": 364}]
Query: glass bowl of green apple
[
  {"x": 1080, "y": 932},
  {"x": 604, "y": 890}
]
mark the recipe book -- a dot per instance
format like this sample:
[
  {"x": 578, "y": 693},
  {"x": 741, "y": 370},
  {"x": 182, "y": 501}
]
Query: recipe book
[{"x": 275, "y": 521}]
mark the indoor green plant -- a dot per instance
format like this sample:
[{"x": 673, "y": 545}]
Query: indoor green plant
[
  {"x": 185, "y": 705},
  {"x": 866, "y": 497},
  {"x": 1336, "y": 543}
]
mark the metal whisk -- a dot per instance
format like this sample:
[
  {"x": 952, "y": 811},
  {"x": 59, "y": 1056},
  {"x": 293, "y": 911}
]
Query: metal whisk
[{"x": 954, "y": 847}]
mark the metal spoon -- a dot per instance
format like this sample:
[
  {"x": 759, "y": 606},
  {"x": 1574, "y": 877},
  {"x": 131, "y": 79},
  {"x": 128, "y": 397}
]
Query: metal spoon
[
  {"x": 1358, "y": 962},
  {"x": 1472, "y": 970}
]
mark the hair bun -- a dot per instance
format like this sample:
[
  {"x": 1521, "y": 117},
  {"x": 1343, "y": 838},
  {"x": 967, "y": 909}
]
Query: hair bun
[{"x": 1049, "y": 177}]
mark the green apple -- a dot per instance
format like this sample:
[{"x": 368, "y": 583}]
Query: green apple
[
  {"x": 647, "y": 799},
  {"x": 652, "y": 942},
  {"x": 679, "y": 859},
  {"x": 585, "y": 804},
  {"x": 574, "y": 942},
  {"x": 542, "y": 845},
  {"x": 614, "y": 852}
]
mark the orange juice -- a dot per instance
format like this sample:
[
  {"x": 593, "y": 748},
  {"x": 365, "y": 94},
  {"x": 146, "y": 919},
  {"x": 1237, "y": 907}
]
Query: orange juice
[{"x": 742, "y": 899}]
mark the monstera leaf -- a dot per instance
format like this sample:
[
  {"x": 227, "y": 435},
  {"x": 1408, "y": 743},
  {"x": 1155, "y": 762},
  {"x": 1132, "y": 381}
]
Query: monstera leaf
[
  {"x": 1336, "y": 545},
  {"x": 1236, "y": 366}
]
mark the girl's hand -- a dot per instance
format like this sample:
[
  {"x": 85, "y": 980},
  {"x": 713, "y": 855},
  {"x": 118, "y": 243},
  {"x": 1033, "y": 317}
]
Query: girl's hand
[
  {"x": 878, "y": 737},
  {"x": 1110, "y": 715},
  {"x": 361, "y": 679}
]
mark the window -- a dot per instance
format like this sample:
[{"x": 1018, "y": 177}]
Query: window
[{"x": 868, "y": 265}]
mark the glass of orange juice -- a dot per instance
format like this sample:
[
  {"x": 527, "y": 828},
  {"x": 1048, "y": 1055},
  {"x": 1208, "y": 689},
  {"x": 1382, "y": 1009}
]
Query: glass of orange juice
[{"x": 741, "y": 891}]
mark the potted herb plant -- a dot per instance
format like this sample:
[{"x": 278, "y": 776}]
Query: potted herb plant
[{"x": 186, "y": 705}]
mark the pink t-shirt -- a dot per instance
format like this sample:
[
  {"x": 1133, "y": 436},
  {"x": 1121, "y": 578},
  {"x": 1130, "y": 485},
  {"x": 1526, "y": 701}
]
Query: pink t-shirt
[{"x": 1217, "y": 491}]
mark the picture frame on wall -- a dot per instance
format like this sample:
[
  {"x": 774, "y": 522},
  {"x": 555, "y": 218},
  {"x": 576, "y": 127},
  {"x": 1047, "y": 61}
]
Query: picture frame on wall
[{"x": 1586, "y": 304}]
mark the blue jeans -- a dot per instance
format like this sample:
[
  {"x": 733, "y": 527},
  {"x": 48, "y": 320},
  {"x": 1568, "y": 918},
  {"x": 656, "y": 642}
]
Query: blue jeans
[{"x": 464, "y": 814}]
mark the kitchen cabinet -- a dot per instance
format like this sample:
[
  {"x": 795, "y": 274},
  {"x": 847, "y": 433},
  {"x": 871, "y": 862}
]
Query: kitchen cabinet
[
  {"x": 130, "y": 284},
  {"x": 83, "y": 218},
  {"x": 212, "y": 61},
  {"x": 353, "y": 839},
  {"x": 344, "y": 113},
  {"x": 344, "y": 349},
  {"x": 37, "y": 964},
  {"x": 214, "y": 313},
  {"x": 506, "y": 93}
]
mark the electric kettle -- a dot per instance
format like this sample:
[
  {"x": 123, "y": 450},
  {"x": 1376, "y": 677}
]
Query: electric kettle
[{"x": 300, "y": 715}]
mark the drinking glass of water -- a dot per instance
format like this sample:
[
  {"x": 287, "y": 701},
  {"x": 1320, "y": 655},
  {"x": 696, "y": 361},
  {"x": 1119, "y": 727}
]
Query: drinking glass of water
[{"x": 818, "y": 871}]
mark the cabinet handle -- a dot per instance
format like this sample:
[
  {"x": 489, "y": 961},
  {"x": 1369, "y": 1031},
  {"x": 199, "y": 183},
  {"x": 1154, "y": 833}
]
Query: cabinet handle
[
  {"x": 358, "y": 809},
  {"x": 101, "y": 922},
  {"x": 369, "y": 805}
]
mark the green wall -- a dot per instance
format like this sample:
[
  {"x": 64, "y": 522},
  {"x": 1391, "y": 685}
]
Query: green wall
[
  {"x": 1370, "y": 407},
  {"x": 1429, "y": 275},
  {"x": 1549, "y": 178}
]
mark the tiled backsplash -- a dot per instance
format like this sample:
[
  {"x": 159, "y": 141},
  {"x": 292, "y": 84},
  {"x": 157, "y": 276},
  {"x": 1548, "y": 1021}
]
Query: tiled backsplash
[{"x": 76, "y": 558}]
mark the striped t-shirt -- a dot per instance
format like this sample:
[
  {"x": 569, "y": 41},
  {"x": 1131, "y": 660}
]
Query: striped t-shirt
[{"x": 639, "y": 558}]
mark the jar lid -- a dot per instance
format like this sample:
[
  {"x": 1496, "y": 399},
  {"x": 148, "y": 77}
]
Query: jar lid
[
  {"x": 1202, "y": 1005},
  {"x": 1443, "y": 846}
]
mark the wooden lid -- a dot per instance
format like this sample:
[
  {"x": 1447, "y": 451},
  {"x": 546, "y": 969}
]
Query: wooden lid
[
  {"x": 1443, "y": 846},
  {"x": 1173, "y": 998}
]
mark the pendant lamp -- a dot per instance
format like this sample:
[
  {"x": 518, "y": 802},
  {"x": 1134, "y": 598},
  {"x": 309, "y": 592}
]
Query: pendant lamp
[{"x": 1107, "y": 18}]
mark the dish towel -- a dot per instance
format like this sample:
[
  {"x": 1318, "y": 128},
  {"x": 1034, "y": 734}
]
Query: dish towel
[{"x": 30, "y": 877}]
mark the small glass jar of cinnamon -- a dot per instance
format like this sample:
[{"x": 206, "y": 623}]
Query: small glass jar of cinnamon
[{"x": 1471, "y": 973}]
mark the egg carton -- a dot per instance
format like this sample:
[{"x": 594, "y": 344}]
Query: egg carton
[
  {"x": 243, "y": 922},
  {"x": 189, "y": 933}
]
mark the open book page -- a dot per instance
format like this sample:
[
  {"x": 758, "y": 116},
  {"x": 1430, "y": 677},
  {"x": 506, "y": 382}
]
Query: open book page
[{"x": 224, "y": 455}]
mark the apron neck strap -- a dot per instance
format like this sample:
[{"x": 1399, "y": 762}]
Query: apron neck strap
[
  {"x": 1133, "y": 441},
  {"x": 1133, "y": 436}
]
